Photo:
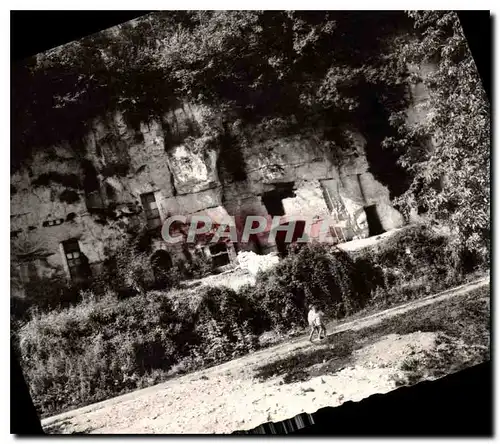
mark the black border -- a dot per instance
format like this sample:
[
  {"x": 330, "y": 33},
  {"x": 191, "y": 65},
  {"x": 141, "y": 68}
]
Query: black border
[{"x": 456, "y": 405}]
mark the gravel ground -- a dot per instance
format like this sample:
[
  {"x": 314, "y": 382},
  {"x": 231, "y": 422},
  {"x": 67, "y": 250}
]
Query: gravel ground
[{"x": 225, "y": 401}]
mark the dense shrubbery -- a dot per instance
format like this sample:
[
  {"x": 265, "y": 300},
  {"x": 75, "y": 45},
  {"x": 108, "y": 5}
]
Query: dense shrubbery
[
  {"x": 133, "y": 270},
  {"x": 102, "y": 347},
  {"x": 314, "y": 273},
  {"x": 450, "y": 183},
  {"x": 226, "y": 325},
  {"x": 415, "y": 261},
  {"x": 419, "y": 250}
]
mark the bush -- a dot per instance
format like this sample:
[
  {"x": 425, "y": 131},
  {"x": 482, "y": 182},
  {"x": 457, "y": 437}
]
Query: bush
[
  {"x": 414, "y": 261},
  {"x": 97, "y": 349},
  {"x": 226, "y": 324},
  {"x": 415, "y": 249},
  {"x": 132, "y": 271},
  {"x": 104, "y": 346},
  {"x": 315, "y": 273},
  {"x": 198, "y": 268}
]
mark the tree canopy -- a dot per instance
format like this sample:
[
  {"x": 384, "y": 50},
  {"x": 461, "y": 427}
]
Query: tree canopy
[{"x": 253, "y": 64}]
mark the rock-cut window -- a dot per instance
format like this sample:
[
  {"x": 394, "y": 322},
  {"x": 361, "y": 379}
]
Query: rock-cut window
[
  {"x": 151, "y": 210},
  {"x": 219, "y": 254}
]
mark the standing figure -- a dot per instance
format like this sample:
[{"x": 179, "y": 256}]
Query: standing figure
[{"x": 315, "y": 320}]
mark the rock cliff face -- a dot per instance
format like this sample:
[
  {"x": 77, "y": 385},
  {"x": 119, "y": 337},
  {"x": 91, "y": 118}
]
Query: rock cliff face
[{"x": 122, "y": 176}]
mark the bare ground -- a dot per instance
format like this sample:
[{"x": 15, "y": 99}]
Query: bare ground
[{"x": 270, "y": 385}]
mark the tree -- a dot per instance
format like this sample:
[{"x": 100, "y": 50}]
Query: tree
[
  {"x": 277, "y": 63},
  {"x": 448, "y": 152}
]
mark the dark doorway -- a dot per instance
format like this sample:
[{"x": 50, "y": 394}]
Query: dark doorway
[
  {"x": 372, "y": 218},
  {"x": 281, "y": 244},
  {"x": 78, "y": 264},
  {"x": 273, "y": 200},
  {"x": 273, "y": 203}
]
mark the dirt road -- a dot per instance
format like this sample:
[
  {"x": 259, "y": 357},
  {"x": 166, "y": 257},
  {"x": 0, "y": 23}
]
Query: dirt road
[{"x": 228, "y": 397}]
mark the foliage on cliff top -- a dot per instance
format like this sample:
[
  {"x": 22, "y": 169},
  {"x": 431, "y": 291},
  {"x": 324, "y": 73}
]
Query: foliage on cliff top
[{"x": 247, "y": 64}]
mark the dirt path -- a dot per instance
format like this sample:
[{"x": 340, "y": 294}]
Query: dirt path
[{"x": 227, "y": 397}]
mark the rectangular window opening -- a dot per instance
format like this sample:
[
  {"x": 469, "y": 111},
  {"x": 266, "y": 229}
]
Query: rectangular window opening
[{"x": 151, "y": 211}]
